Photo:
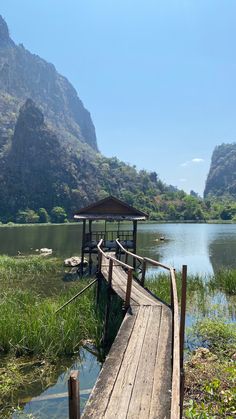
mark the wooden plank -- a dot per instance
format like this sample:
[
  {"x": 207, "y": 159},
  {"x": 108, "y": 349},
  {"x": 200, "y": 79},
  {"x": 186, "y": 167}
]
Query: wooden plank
[
  {"x": 161, "y": 393},
  {"x": 139, "y": 294},
  {"x": 101, "y": 393},
  {"x": 120, "y": 398},
  {"x": 142, "y": 392}
]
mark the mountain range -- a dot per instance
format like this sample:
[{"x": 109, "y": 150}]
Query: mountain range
[{"x": 49, "y": 155}]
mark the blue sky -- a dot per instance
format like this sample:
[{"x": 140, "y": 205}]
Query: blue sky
[{"x": 157, "y": 76}]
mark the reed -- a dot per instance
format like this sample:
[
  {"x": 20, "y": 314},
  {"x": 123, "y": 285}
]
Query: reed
[
  {"x": 30, "y": 267},
  {"x": 224, "y": 280},
  {"x": 29, "y": 325}
]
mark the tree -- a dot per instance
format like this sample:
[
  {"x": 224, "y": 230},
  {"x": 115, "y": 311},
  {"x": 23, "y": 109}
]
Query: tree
[
  {"x": 27, "y": 216},
  {"x": 43, "y": 216},
  {"x": 58, "y": 215}
]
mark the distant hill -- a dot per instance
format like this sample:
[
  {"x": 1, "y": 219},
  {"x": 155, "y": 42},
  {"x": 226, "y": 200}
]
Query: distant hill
[
  {"x": 221, "y": 180},
  {"x": 24, "y": 75}
]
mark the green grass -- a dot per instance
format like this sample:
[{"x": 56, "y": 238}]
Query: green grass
[
  {"x": 29, "y": 325},
  {"x": 160, "y": 285},
  {"x": 210, "y": 372},
  {"x": 30, "y": 267},
  {"x": 224, "y": 280}
]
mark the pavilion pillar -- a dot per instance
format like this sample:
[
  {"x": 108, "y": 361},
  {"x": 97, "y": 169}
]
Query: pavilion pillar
[
  {"x": 135, "y": 241},
  {"x": 82, "y": 249}
]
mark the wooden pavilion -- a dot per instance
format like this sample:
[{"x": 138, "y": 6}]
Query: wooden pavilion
[{"x": 113, "y": 210}]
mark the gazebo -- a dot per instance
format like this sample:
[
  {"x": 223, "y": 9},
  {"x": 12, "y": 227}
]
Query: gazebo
[{"x": 113, "y": 210}]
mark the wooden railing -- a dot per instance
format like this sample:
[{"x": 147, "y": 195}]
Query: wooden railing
[
  {"x": 176, "y": 378},
  {"x": 111, "y": 260},
  {"x": 109, "y": 235}
]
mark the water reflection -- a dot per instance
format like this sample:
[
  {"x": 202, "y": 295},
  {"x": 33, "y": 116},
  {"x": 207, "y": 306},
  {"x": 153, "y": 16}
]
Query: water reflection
[
  {"x": 53, "y": 402},
  {"x": 203, "y": 247}
]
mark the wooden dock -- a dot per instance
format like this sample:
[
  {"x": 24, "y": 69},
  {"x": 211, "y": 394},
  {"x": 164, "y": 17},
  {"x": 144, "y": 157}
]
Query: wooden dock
[{"x": 141, "y": 374}]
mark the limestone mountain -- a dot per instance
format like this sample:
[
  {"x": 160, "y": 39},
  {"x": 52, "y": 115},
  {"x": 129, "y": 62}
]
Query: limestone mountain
[
  {"x": 221, "y": 180},
  {"x": 24, "y": 75},
  {"x": 37, "y": 171}
]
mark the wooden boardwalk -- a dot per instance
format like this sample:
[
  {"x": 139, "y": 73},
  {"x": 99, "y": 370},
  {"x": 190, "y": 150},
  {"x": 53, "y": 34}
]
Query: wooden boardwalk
[{"x": 140, "y": 377}]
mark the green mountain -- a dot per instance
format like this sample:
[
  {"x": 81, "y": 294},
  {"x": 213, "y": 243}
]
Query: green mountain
[
  {"x": 48, "y": 150},
  {"x": 221, "y": 180},
  {"x": 24, "y": 75},
  {"x": 37, "y": 171}
]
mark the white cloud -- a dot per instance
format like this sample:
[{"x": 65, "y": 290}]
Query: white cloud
[
  {"x": 195, "y": 160},
  {"x": 182, "y": 180}
]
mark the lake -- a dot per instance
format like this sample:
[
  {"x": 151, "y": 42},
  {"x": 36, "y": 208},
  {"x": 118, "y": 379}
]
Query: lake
[{"x": 203, "y": 247}]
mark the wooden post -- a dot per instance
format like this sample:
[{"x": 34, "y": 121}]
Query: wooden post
[
  {"x": 144, "y": 265},
  {"x": 73, "y": 393},
  {"x": 108, "y": 307},
  {"x": 90, "y": 249},
  {"x": 128, "y": 289},
  {"x": 110, "y": 272},
  {"x": 82, "y": 249},
  {"x": 135, "y": 241},
  {"x": 182, "y": 330},
  {"x": 171, "y": 294}
]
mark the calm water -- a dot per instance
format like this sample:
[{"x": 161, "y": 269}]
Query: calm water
[
  {"x": 203, "y": 247},
  {"x": 46, "y": 406}
]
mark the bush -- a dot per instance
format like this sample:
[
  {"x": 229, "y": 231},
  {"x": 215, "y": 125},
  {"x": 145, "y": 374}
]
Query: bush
[
  {"x": 43, "y": 216},
  {"x": 58, "y": 215}
]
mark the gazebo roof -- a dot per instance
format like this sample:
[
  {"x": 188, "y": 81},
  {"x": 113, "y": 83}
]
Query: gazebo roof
[{"x": 112, "y": 209}]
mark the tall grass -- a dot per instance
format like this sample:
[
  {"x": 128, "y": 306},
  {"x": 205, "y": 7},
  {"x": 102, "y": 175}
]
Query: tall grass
[
  {"x": 30, "y": 267},
  {"x": 28, "y": 323},
  {"x": 224, "y": 280},
  {"x": 160, "y": 285}
]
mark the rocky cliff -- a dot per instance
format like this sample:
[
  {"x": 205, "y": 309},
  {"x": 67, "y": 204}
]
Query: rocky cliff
[
  {"x": 24, "y": 75},
  {"x": 38, "y": 171},
  {"x": 221, "y": 180}
]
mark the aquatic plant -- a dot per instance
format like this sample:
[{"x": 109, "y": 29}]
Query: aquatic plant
[
  {"x": 29, "y": 325},
  {"x": 30, "y": 267},
  {"x": 210, "y": 374},
  {"x": 224, "y": 280}
]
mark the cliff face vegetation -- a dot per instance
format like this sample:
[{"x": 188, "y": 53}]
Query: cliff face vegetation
[
  {"x": 24, "y": 75},
  {"x": 221, "y": 180},
  {"x": 49, "y": 161},
  {"x": 38, "y": 171}
]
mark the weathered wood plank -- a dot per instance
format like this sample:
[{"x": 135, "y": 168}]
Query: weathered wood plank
[
  {"x": 135, "y": 381},
  {"x": 161, "y": 392},
  {"x": 120, "y": 398},
  {"x": 101, "y": 393},
  {"x": 142, "y": 392}
]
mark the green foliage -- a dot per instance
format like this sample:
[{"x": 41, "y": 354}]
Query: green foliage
[
  {"x": 29, "y": 325},
  {"x": 216, "y": 335},
  {"x": 43, "y": 216},
  {"x": 58, "y": 215},
  {"x": 224, "y": 280},
  {"x": 27, "y": 216},
  {"x": 28, "y": 268}
]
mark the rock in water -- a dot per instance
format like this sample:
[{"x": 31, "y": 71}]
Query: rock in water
[
  {"x": 73, "y": 261},
  {"x": 46, "y": 251}
]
